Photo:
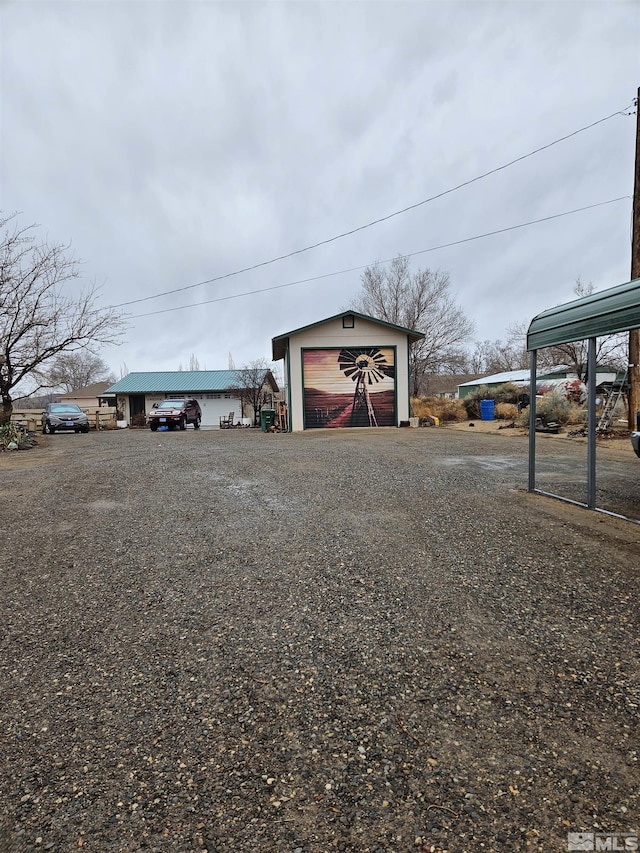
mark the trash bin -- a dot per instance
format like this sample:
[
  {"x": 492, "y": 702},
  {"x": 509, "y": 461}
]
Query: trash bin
[
  {"x": 267, "y": 419},
  {"x": 487, "y": 410}
]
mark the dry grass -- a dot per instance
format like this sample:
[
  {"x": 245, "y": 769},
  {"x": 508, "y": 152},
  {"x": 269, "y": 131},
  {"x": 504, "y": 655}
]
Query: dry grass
[
  {"x": 437, "y": 407},
  {"x": 554, "y": 407},
  {"x": 577, "y": 414},
  {"x": 454, "y": 410},
  {"x": 506, "y": 411}
]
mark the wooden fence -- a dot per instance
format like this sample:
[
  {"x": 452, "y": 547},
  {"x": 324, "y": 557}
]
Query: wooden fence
[{"x": 100, "y": 417}]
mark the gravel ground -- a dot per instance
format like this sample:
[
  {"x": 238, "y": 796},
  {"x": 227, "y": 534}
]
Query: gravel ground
[{"x": 338, "y": 640}]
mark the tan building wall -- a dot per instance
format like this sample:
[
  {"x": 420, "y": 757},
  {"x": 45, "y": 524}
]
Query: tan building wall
[{"x": 332, "y": 334}]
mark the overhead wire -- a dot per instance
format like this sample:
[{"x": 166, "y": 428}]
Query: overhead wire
[
  {"x": 375, "y": 221},
  {"x": 386, "y": 261}
]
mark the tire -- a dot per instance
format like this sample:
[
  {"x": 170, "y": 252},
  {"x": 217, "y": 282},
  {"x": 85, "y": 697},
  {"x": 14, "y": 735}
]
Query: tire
[
  {"x": 196, "y": 423},
  {"x": 85, "y": 430},
  {"x": 153, "y": 427},
  {"x": 183, "y": 423},
  {"x": 47, "y": 429}
]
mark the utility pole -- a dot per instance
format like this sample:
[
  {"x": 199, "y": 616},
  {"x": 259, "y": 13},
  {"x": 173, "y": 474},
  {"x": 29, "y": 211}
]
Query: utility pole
[{"x": 634, "y": 334}]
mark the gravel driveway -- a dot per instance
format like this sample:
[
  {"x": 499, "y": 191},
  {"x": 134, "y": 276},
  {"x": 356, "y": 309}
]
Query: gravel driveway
[{"x": 357, "y": 640}]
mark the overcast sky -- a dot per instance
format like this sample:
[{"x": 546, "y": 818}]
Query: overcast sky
[{"x": 173, "y": 142}]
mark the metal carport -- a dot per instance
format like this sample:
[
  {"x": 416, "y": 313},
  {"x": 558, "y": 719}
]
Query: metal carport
[{"x": 605, "y": 313}]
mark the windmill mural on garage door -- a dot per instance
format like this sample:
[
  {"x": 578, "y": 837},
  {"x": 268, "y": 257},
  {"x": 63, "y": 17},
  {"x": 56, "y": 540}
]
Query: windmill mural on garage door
[
  {"x": 349, "y": 387},
  {"x": 364, "y": 367}
]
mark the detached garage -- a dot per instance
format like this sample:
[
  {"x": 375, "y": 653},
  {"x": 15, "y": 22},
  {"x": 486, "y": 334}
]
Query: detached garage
[
  {"x": 349, "y": 370},
  {"x": 217, "y": 391}
]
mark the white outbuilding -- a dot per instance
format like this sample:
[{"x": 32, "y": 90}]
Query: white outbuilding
[{"x": 350, "y": 370}]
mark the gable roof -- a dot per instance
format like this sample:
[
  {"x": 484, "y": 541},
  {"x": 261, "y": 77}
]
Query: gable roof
[
  {"x": 95, "y": 390},
  {"x": 515, "y": 376},
  {"x": 281, "y": 342},
  {"x": 499, "y": 378},
  {"x": 182, "y": 382}
]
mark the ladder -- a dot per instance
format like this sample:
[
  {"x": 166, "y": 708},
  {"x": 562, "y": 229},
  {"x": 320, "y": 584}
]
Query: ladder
[{"x": 606, "y": 416}]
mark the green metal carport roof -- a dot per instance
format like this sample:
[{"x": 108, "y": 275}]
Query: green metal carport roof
[{"x": 605, "y": 313}]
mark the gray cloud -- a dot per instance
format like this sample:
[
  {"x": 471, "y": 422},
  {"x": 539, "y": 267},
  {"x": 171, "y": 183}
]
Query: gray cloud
[{"x": 176, "y": 141}]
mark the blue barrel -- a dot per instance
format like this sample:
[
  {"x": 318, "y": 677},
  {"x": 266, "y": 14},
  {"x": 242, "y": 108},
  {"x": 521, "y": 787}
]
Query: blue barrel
[{"x": 487, "y": 410}]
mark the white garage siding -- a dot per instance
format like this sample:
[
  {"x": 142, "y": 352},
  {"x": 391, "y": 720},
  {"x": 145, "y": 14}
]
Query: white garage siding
[{"x": 214, "y": 406}]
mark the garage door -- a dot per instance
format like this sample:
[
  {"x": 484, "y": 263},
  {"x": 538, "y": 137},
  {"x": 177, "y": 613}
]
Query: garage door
[
  {"x": 215, "y": 406},
  {"x": 347, "y": 387}
]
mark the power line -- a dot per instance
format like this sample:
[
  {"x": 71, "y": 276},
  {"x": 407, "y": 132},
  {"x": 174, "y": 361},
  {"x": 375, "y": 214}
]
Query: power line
[
  {"x": 386, "y": 261},
  {"x": 375, "y": 221}
]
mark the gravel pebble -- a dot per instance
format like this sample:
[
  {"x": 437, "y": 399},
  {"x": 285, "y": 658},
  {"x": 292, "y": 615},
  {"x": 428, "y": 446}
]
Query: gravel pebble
[{"x": 357, "y": 640}]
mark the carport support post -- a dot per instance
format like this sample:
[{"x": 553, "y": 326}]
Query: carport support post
[
  {"x": 591, "y": 424},
  {"x": 634, "y": 335},
  {"x": 532, "y": 420}
]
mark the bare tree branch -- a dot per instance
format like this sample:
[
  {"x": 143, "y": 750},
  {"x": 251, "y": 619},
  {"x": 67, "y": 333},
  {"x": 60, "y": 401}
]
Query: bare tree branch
[
  {"x": 421, "y": 301},
  {"x": 498, "y": 356},
  {"x": 43, "y": 311},
  {"x": 253, "y": 385},
  {"x": 72, "y": 370}
]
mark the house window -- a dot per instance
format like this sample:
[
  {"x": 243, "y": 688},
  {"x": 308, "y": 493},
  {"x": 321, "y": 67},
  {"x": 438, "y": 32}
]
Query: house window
[{"x": 348, "y": 322}]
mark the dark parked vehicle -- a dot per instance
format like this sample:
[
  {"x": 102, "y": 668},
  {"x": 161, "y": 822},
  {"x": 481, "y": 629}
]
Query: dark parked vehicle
[
  {"x": 64, "y": 416},
  {"x": 175, "y": 413},
  {"x": 635, "y": 436}
]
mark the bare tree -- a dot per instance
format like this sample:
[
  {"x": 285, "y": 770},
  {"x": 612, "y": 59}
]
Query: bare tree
[
  {"x": 421, "y": 301},
  {"x": 39, "y": 319},
  {"x": 72, "y": 370},
  {"x": 254, "y": 385},
  {"x": 611, "y": 351},
  {"x": 501, "y": 356},
  {"x": 194, "y": 364},
  {"x": 511, "y": 354}
]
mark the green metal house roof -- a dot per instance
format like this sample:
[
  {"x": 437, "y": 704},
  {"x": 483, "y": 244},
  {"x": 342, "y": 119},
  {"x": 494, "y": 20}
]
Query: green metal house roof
[
  {"x": 176, "y": 381},
  {"x": 604, "y": 313},
  {"x": 281, "y": 342}
]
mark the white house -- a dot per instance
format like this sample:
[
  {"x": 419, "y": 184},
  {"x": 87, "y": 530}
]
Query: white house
[{"x": 215, "y": 390}]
